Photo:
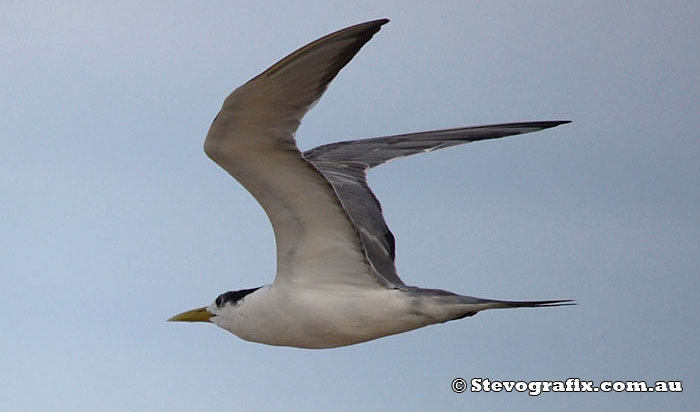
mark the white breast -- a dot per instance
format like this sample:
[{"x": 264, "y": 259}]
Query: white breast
[{"x": 323, "y": 316}]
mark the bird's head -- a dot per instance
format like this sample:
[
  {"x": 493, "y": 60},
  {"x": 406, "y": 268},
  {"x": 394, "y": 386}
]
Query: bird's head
[{"x": 221, "y": 304}]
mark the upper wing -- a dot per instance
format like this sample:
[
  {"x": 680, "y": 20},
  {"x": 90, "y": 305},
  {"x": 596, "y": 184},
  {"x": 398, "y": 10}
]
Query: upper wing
[
  {"x": 378, "y": 150},
  {"x": 252, "y": 138},
  {"x": 345, "y": 165}
]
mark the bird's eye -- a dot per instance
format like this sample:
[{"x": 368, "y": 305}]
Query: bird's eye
[{"x": 218, "y": 301}]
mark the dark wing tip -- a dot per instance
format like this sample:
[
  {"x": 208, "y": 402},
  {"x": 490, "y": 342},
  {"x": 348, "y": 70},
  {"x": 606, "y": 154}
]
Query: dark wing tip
[
  {"x": 541, "y": 125},
  {"x": 377, "y": 23},
  {"x": 554, "y": 123},
  {"x": 361, "y": 32},
  {"x": 548, "y": 124}
]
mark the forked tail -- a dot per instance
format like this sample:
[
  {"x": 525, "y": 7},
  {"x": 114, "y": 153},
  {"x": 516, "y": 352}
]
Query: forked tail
[
  {"x": 475, "y": 305},
  {"x": 454, "y": 306}
]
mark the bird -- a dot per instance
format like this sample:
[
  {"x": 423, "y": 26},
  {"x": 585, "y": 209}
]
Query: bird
[{"x": 336, "y": 283}]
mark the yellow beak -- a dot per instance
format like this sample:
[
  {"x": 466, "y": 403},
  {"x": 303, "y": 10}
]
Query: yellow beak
[{"x": 194, "y": 315}]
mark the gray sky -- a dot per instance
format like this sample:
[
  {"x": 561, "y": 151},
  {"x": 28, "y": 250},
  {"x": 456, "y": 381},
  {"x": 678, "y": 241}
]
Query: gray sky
[{"x": 112, "y": 219}]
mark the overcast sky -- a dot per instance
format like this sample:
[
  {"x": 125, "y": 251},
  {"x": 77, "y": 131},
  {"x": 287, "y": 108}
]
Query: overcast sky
[{"x": 112, "y": 219}]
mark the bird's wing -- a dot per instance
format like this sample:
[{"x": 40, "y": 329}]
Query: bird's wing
[
  {"x": 379, "y": 150},
  {"x": 345, "y": 165},
  {"x": 252, "y": 138}
]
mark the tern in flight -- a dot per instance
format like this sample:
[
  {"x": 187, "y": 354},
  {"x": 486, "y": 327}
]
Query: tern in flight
[{"x": 336, "y": 283}]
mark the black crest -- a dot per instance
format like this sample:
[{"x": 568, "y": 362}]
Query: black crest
[{"x": 233, "y": 296}]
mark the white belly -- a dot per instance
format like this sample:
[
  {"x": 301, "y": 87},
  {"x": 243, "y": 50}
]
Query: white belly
[{"x": 326, "y": 316}]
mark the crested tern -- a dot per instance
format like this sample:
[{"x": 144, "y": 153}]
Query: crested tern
[{"x": 336, "y": 283}]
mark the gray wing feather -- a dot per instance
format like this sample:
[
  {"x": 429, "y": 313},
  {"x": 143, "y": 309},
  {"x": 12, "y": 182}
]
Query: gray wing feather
[
  {"x": 252, "y": 138},
  {"x": 348, "y": 179},
  {"x": 376, "y": 151},
  {"x": 345, "y": 165}
]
